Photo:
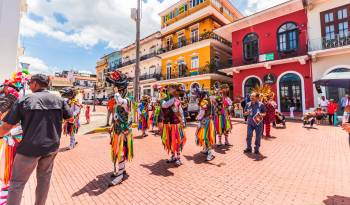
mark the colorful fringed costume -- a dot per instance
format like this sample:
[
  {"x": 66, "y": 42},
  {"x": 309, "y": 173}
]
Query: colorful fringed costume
[
  {"x": 222, "y": 119},
  {"x": 122, "y": 144},
  {"x": 173, "y": 135},
  {"x": 9, "y": 93},
  {"x": 156, "y": 114},
  {"x": 71, "y": 126},
  {"x": 143, "y": 116}
]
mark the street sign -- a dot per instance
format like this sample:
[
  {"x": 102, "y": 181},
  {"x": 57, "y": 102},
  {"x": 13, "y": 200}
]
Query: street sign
[{"x": 266, "y": 57}]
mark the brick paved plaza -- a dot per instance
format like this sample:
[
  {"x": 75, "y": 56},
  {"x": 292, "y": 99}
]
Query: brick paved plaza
[{"x": 300, "y": 166}]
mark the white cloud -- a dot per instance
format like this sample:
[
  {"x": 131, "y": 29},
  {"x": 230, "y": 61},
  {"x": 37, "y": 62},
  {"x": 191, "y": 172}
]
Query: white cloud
[
  {"x": 91, "y": 21},
  {"x": 253, "y": 6},
  {"x": 37, "y": 65}
]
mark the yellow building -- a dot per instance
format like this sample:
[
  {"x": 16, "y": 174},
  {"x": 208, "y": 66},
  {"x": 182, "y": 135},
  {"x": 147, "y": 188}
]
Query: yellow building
[{"x": 191, "y": 53}]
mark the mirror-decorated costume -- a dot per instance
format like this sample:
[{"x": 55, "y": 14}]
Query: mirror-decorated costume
[
  {"x": 222, "y": 118},
  {"x": 71, "y": 126},
  {"x": 173, "y": 135},
  {"x": 122, "y": 144},
  {"x": 9, "y": 93},
  {"x": 205, "y": 134}
]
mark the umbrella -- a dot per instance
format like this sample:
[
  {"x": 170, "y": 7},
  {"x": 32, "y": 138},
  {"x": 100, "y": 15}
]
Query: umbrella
[{"x": 338, "y": 79}]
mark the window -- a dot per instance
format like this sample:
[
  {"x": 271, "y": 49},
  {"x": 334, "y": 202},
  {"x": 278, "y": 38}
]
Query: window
[
  {"x": 181, "y": 40},
  {"x": 328, "y": 17},
  {"x": 251, "y": 47},
  {"x": 290, "y": 92},
  {"x": 169, "y": 42},
  {"x": 288, "y": 37},
  {"x": 195, "y": 62},
  {"x": 343, "y": 14},
  {"x": 343, "y": 29},
  {"x": 250, "y": 84},
  {"x": 181, "y": 68},
  {"x": 168, "y": 71},
  {"x": 217, "y": 62},
  {"x": 176, "y": 11},
  {"x": 335, "y": 26},
  {"x": 194, "y": 3},
  {"x": 194, "y": 35}
]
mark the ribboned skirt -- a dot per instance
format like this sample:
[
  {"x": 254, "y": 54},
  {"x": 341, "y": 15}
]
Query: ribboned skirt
[
  {"x": 205, "y": 134},
  {"x": 122, "y": 146},
  {"x": 223, "y": 124},
  {"x": 173, "y": 138}
]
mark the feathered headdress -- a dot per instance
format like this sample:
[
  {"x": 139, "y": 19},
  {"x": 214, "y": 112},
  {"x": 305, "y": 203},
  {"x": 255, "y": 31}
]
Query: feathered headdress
[
  {"x": 265, "y": 92},
  {"x": 119, "y": 80}
]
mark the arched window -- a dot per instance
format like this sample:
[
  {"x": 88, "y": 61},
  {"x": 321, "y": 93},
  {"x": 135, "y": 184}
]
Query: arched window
[
  {"x": 340, "y": 70},
  {"x": 249, "y": 84},
  {"x": 290, "y": 92},
  {"x": 251, "y": 47},
  {"x": 288, "y": 37}
]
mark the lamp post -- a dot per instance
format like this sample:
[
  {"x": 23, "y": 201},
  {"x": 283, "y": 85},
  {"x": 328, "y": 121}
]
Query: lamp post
[
  {"x": 94, "y": 108},
  {"x": 137, "y": 18}
]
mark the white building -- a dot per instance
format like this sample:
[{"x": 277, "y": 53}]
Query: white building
[
  {"x": 329, "y": 42},
  {"x": 150, "y": 63},
  {"x": 10, "y": 14}
]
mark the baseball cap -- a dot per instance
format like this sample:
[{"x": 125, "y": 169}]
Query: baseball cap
[{"x": 40, "y": 78}]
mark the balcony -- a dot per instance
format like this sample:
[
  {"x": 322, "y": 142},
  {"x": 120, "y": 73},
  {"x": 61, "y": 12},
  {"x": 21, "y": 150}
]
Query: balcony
[
  {"x": 208, "y": 69},
  {"x": 142, "y": 58},
  {"x": 326, "y": 43},
  {"x": 185, "y": 42},
  {"x": 150, "y": 76},
  {"x": 271, "y": 56}
]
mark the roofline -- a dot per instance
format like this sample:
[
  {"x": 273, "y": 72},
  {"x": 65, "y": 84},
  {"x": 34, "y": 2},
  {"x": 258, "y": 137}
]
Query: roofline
[
  {"x": 257, "y": 13},
  {"x": 143, "y": 39},
  {"x": 175, "y": 4}
]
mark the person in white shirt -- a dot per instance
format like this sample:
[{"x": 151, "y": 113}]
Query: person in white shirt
[{"x": 323, "y": 103}]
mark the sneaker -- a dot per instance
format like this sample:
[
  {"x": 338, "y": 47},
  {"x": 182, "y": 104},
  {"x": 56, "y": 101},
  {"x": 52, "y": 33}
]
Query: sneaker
[
  {"x": 204, "y": 151},
  {"x": 178, "y": 162},
  {"x": 257, "y": 152},
  {"x": 210, "y": 156},
  {"x": 171, "y": 160},
  {"x": 247, "y": 150}
]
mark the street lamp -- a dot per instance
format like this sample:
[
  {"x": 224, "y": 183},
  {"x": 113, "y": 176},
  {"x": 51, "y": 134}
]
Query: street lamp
[{"x": 94, "y": 108}]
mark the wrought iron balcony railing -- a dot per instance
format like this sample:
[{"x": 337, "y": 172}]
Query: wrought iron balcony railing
[
  {"x": 182, "y": 42},
  {"x": 208, "y": 69},
  {"x": 328, "y": 43}
]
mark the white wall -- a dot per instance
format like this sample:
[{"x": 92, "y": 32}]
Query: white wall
[{"x": 9, "y": 29}]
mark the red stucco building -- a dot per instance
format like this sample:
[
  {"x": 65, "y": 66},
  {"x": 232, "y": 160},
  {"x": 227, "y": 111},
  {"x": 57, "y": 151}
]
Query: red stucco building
[{"x": 270, "y": 47}]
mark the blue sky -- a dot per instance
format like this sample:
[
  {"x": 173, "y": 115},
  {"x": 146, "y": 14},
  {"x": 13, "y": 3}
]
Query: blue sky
[{"x": 65, "y": 34}]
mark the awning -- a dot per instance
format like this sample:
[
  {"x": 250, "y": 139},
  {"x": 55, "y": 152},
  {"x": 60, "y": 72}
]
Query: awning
[{"x": 338, "y": 79}]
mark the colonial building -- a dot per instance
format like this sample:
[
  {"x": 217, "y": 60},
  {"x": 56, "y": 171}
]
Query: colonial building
[
  {"x": 101, "y": 69},
  {"x": 329, "y": 44},
  {"x": 10, "y": 15},
  {"x": 150, "y": 63},
  {"x": 270, "y": 47},
  {"x": 191, "y": 53}
]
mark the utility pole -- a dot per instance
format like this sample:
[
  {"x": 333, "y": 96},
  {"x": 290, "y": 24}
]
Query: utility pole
[
  {"x": 94, "y": 108},
  {"x": 137, "y": 67}
]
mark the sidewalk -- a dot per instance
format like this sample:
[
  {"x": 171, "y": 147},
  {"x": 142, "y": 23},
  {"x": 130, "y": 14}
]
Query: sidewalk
[{"x": 299, "y": 167}]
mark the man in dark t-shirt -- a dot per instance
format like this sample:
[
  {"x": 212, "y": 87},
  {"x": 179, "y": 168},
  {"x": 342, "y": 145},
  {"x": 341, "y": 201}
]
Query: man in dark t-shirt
[{"x": 40, "y": 114}]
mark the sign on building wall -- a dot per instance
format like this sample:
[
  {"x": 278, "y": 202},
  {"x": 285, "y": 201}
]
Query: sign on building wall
[
  {"x": 269, "y": 79},
  {"x": 266, "y": 57}
]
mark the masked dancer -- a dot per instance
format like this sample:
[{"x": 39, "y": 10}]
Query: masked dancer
[
  {"x": 71, "y": 126},
  {"x": 223, "y": 123},
  {"x": 121, "y": 132},
  {"x": 173, "y": 135}
]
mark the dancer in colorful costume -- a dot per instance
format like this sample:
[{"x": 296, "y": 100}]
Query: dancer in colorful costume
[
  {"x": 71, "y": 126},
  {"x": 143, "y": 111},
  {"x": 121, "y": 133},
  {"x": 173, "y": 135},
  {"x": 205, "y": 134},
  {"x": 223, "y": 123},
  {"x": 9, "y": 93}
]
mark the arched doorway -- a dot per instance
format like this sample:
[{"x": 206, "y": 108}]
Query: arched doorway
[
  {"x": 290, "y": 88},
  {"x": 249, "y": 84}
]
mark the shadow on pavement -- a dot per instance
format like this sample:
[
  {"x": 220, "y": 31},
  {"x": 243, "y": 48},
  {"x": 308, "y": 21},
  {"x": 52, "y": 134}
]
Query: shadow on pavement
[
  {"x": 337, "y": 200},
  {"x": 222, "y": 149},
  {"x": 255, "y": 156},
  {"x": 63, "y": 149},
  {"x": 96, "y": 186},
  {"x": 200, "y": 158},
  {"x": 160, "y": 168}
]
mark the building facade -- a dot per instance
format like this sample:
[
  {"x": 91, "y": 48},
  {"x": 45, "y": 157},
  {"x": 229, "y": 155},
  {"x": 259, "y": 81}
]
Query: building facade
[
  {"x": 150, "y": 63},
  {"x": 101, "y": 70},
  {"x": 270, "y": 47},
  {"x": 191, "y": 53},
  {"x": 329, "y": 42},
  {"x": 10, "y": 14}
]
